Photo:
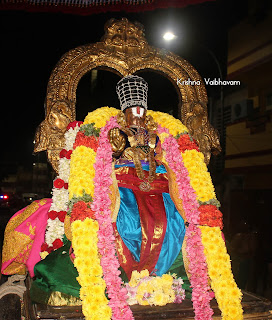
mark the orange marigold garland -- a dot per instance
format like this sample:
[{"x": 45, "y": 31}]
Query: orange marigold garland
[
  {"x": 186, "y": 142},
  {"x": 210, "y": 216},
  {"x": 87, "y": 141},
  {"x": 81, "y": 210}
]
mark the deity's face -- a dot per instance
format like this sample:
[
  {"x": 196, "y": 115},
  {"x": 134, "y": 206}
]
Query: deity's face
[{"x": 135, "y": 116}]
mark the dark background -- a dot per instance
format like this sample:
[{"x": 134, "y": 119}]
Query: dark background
[{"x": 32, "y": 44}]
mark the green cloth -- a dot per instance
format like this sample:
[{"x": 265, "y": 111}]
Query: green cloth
[{"x": 55, "y": 273}]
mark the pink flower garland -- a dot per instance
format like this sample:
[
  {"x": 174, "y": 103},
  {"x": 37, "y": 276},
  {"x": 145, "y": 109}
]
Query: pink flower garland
[
  {"x": 106, "y": 239},
  {"x": 201, "y": 294}
]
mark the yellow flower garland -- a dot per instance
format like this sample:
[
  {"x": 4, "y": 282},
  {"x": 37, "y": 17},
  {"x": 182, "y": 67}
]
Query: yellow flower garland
[
  {"x": 100, "y": 116},
  {"x": 200, "y": 178},
  {"x": 175, "y": 126},
  {"x": 92, "y": 292},
  {"x": 81, "y": 172},
  {"x": 227, "y": 294}
]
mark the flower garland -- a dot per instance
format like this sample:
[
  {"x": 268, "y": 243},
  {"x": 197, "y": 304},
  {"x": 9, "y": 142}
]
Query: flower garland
[
  {"x": 106, "y": 243},
  {"x": 201, "y": 294},
  {"x": 87, "y": 262},
  {"x": 185, "y": 142},
  {"x": 81, "y": 210},
  {"x": 200, "y": 178},
  {"x": 100, "y": 116},
  {"x": 226, "y": 291},
  {"x": 210, "y": 216},
  {"x": 174, "y": 126},
  {"x": 56, "y": 215},
  {"x": 144, "y": 289},
  {"x": 84, "y": 231},
  {"x": 207, "y": 236},
  {"x": 90, "y": 178},
  {"x": 82, "y": 172}
]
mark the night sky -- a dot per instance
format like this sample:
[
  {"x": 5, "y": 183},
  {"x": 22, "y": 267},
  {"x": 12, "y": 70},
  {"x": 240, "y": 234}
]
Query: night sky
[{"x": 32, "y": 44}]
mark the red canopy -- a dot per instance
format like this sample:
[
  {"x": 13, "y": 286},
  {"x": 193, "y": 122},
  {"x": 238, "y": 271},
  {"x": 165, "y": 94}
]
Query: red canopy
[{"x": 88, "y": 7}]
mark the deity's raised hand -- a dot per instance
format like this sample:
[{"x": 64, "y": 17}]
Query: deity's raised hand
[{"x": 117, "y": 141}]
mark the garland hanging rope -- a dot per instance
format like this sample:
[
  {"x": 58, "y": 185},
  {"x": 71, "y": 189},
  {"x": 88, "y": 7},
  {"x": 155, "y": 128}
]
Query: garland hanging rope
[{"x": 90, "y": 179}]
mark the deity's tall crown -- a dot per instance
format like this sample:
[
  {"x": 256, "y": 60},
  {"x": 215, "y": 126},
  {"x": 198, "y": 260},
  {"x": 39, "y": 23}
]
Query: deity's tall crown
[{"x": 132, "y": 91}]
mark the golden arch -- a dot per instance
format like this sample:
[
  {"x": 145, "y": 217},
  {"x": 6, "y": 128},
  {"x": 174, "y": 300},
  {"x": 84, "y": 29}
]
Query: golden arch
[{"x": 124, "y": 50}]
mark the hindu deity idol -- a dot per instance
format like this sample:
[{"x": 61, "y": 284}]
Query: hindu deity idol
[{"x": 133, "y": 203}]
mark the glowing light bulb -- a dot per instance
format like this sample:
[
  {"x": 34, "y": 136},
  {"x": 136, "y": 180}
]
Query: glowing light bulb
[{"x": 169, "y": 36}]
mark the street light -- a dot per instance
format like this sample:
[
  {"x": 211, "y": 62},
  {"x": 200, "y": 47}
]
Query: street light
[{"x": 168, "y": 36}]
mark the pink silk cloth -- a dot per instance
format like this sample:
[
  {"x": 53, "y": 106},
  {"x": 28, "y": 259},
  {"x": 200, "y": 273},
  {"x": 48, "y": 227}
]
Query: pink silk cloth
[{"x": 24, "y": 235}]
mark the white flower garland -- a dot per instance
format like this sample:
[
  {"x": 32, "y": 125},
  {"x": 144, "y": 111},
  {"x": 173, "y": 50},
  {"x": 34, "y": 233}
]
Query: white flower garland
[{"x": 60, "y": 198}]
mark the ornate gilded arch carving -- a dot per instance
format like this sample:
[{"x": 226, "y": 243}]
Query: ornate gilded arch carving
[{"x": 124, "y": 50}]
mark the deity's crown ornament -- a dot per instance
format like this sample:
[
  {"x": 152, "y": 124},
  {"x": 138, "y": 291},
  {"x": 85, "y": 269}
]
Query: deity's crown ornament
[{"x": 132, "y": 91}]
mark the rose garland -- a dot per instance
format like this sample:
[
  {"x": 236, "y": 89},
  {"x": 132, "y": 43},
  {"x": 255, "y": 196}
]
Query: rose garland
[{"x": 58, "y": 210}]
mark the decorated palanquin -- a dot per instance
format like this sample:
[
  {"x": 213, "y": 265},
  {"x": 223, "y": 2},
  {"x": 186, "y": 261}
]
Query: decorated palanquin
[{"x": 133, "y": 219}]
